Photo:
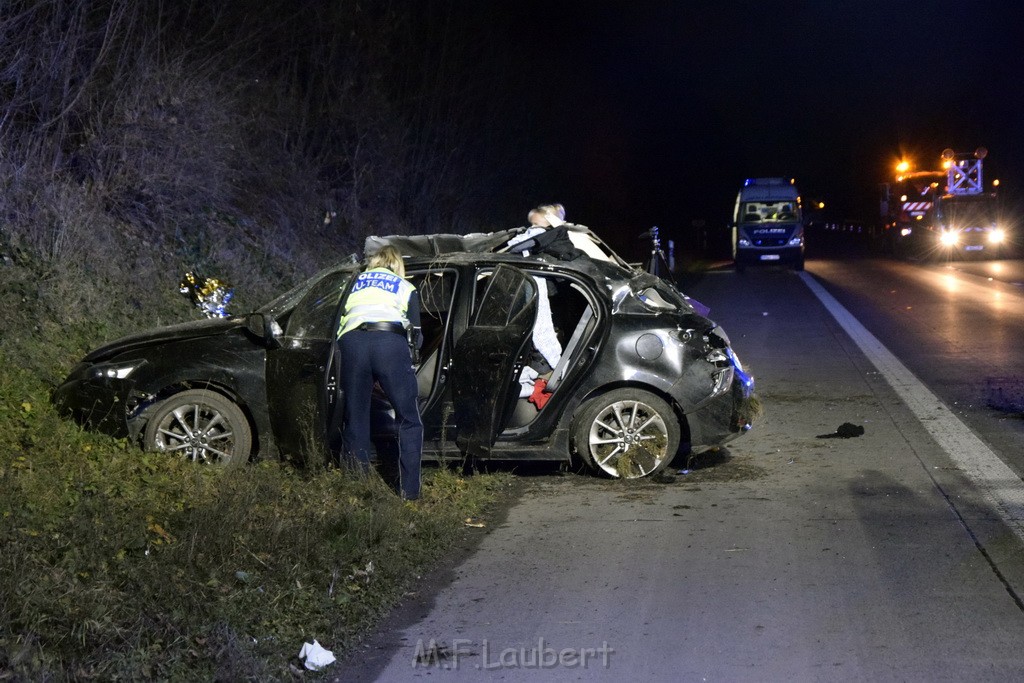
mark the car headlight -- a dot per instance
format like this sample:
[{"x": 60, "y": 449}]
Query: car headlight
[
  {"x": 796, "y": 241},
  {"x": 115, "y": 370},
  {"x": 949, "y": 239},
  {"x": 743, "y": 242},
  {"x": 718, "y": 358},
  {"x": 997, "y": 236}
]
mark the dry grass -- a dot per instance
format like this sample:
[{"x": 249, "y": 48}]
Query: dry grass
[{"x": 123, "y": 565}]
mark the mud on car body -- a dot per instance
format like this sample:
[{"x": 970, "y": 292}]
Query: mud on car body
[{"x": 643, "y": 373}]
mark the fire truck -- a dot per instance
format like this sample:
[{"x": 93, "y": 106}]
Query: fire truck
[{"x": 944, "y": 213}]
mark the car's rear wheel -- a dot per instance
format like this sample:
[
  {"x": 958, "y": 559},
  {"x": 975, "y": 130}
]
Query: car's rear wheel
[
  {"x": 200, "y": 425},
  {"x": 626, "y": 433}
]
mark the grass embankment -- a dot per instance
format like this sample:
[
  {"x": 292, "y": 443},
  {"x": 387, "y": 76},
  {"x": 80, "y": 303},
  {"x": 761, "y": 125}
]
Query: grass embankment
[{"x": 122, "y": 565}]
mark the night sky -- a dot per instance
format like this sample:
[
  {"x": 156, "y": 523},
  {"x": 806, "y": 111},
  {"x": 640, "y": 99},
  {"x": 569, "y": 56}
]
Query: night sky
[{"x": 653, "y": 112}]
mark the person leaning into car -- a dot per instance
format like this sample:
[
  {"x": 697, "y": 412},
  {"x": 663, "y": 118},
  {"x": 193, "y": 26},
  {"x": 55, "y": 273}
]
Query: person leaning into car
[{"x": 381, "y": 315}]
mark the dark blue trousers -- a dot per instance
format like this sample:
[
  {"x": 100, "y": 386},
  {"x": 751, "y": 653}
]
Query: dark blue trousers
[{"x": 366, "y": 356}]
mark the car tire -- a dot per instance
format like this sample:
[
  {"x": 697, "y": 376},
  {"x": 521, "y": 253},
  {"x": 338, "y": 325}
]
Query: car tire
[
  {"x": 201, "y": 425},
  {"x": 627, "y": 433}
]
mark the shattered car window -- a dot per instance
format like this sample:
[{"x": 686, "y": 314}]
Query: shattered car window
[
  {"x": 315, "y": 315},
  {"x": 278, "y": 305}
]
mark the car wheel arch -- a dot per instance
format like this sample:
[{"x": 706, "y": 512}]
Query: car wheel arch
[
  {"x": 580, "y": 415},
  {"x": 201, "y": 424},
  {"x": 570, "y": 415},
  {"x": 145, "y": 411}
]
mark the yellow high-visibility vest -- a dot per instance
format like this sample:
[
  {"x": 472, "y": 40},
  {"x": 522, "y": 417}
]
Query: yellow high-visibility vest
[{"x": 377, "y": 296}]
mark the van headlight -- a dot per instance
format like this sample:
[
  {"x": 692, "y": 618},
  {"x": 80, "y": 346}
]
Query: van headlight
[{"x": 997, "y": 236}]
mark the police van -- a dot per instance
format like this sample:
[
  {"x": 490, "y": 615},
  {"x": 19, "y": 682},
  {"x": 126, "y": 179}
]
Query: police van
[{"x": 767, "y": 225}]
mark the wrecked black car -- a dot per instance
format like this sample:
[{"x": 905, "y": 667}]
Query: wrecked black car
[{"x": 634, "y": 371}]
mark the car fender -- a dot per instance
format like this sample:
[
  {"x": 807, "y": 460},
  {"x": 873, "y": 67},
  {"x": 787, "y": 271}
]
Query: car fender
[{"x": 167, "y": 375}]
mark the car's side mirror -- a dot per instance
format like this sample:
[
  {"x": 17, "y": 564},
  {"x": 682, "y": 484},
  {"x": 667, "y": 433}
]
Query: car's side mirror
[{"x": 264, "y": 327}]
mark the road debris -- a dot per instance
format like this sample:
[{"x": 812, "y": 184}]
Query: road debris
[{"x": 844, "y": 431}]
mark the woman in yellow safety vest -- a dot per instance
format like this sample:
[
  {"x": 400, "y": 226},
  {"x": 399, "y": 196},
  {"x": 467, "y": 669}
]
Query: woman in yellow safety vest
[{"x": 381, "y": 315}]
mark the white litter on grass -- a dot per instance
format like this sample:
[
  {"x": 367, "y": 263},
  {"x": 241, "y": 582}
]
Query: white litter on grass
[{"x": 315, "y": 656}]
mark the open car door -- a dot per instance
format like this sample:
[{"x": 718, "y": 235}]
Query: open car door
[
  {"x": 488, "y": 357},
  {"x": 302, "y": 372}
]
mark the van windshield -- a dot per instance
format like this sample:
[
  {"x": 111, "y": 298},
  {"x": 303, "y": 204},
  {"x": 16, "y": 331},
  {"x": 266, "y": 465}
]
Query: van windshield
[{"x": 770, "y": 212}]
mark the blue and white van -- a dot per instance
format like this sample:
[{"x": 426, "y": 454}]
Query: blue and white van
[{"x": 767, "y": 225}]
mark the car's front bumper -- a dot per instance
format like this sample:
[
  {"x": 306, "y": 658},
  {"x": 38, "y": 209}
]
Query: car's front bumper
[
  {"x": 98, "y": 403},
  {"x": 726, "y": 416}
]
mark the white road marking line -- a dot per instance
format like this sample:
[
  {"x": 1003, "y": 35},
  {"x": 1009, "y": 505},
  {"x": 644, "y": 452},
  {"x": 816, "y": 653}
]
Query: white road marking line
[{"x": 1000, "y": 486}]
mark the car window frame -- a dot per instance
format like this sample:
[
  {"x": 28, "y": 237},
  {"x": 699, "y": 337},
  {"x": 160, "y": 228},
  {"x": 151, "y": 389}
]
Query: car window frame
[{"x": 320, "y": 307}]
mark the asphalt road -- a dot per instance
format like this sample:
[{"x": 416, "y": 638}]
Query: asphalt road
[
  {"x": 788, "y": 556},
  {"x": 958, "y": 326}
]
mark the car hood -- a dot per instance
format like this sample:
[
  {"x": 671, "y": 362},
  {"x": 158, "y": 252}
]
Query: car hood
[{"x": 195, "y": 329}]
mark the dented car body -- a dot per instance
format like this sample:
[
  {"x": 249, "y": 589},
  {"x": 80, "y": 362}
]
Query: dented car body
[{"x": 639, "y": 373}]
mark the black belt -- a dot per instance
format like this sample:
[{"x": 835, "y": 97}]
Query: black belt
[{"x": 383, "y": 327}]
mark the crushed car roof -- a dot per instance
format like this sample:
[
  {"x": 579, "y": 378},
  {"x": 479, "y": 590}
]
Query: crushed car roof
[
  {"x": 438, "y": 244},
  {"x": 488, "y": 243},
  {"x": 608, "y": 267}
]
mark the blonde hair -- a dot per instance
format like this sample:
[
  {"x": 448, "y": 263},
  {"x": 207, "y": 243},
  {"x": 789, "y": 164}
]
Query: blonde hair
[
  {"x": 539, "y": 216},
  {"x": 554, "y": 209},
  {"x": 390, "y": 258},
  {"x": 536, "y": 217}
]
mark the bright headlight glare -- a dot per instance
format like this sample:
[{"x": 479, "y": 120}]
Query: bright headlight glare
[
  {"x": 997, "y": 236},
  {"x": 117, "y": 371},
  {"x": 949, "y": 238}
]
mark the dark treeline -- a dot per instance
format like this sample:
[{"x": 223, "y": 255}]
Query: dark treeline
[{"x": 252, "y": 139}]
